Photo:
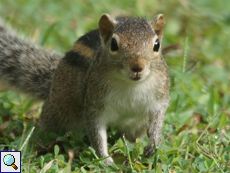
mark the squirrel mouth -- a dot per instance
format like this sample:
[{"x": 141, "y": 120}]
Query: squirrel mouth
[{"x": 136, "y": 76}]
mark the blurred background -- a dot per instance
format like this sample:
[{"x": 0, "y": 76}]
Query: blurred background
[{"x": 200, "y": 68}]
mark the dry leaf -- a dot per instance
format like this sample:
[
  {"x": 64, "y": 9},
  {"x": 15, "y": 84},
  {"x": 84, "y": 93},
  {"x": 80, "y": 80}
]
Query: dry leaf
[{"x": 48, "y": 165}]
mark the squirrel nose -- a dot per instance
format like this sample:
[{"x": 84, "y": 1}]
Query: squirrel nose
[{"x": 137, "y": 69}]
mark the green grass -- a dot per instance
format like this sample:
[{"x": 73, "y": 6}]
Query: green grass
[{"x": 196, "y": 133}]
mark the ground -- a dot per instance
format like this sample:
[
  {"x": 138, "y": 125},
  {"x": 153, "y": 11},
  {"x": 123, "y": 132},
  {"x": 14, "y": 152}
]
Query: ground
[{"x": 196, "y": 132}]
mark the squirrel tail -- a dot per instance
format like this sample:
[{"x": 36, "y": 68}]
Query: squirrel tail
[{"x": 25, "y": 65}]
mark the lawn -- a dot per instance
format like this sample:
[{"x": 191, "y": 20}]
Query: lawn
[{"x": 196, "y": 133}]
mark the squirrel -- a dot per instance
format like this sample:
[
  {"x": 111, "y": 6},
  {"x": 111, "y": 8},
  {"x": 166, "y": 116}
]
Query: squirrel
[{"x": 113, "y": 77}]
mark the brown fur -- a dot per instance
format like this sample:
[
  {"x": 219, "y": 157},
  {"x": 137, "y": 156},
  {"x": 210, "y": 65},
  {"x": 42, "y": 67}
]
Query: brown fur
[{"x": 83, "y": 50}]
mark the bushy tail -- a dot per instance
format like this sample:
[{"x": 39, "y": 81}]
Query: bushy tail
[{"x": 24, "y": 65}]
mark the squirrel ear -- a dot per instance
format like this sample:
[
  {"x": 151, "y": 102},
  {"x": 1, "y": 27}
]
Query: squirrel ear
[
  {"x": 106, "y": 25},
  {"x": 158, "y": 24}
]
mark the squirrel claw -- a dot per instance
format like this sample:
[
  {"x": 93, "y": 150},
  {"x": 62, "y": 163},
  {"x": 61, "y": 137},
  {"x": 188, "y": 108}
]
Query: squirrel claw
[{"x": 149, "y": 150}]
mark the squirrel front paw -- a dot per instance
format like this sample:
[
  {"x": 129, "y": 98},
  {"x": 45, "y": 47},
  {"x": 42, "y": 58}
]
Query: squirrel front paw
[
  {"x": 149, "y": 150},
  {"x": 109, "y": 161}
]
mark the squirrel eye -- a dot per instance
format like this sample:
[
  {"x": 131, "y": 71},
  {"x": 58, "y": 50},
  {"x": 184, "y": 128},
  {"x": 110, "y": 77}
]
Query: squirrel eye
[
  {"x": 156, "y": 46},
  {"x": 114, "y": 46}
]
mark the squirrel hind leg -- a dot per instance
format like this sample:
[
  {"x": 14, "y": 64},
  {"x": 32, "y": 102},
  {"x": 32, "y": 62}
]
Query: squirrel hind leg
[
  {"x": 50, "y": 118},
  {"x": 56, "y": 118}
]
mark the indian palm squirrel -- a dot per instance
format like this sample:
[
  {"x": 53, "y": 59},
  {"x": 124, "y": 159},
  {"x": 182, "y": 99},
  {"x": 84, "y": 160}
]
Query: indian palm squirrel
[{"x": 114, "y": 76}]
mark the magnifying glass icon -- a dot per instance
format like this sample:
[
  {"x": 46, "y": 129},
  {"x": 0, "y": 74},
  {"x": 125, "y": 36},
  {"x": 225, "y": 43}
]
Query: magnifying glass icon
[{"x": 9, "y": 160}]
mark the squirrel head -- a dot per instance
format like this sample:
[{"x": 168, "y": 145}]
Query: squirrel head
[{"x": 132, "y": 46}]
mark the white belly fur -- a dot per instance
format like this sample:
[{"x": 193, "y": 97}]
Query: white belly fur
[{"x": 130, "y": 105}]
